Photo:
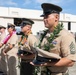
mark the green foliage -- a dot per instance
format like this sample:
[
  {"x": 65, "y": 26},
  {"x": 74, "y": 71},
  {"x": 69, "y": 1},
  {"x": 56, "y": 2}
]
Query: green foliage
[
  {"x": 52, "y": 36},
  {"x": 49, "y": 44},
  {"x": 37, "y": 70}
]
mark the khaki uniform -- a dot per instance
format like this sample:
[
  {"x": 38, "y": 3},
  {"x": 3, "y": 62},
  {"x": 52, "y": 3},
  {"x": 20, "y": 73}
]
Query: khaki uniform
[
  {"x": 64, "y": 47},
  {"x": 32, "y": 40},
  {"x": 2, "y": 36},
  {"x": 11, "y": 57},
  {"x": 26, "y": 67}
]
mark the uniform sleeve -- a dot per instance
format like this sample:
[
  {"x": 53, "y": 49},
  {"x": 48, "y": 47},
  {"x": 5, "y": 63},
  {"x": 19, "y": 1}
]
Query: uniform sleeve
[
  {"x": 68, "y": 47},
  {"x": 14, "y": 39},
  {"x": 33, "y": 41}
]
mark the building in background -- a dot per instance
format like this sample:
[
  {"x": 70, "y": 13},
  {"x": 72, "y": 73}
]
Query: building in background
[{"x": 12, "y": 15}]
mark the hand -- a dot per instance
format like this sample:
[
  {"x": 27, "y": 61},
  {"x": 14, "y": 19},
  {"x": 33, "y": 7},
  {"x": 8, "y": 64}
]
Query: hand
[
  {"x": 31, "y": 56},
  {"x": 34, "y": 64},
  {"x": 4, "y": 52},
  {"x": 27, "y": 56},
  {"x": 45, "y": 64},
  {"x": 1, "y": 45},
  {"x": 20, "y": 55}
]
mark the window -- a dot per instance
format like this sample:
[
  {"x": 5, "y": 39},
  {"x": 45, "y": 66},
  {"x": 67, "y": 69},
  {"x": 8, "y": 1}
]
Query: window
[{"x": 69, "y": 25}]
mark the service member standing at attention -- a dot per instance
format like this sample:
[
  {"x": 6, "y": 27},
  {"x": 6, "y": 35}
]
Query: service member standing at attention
[
  {"x": 57, "y": 40},
  {"x": 27, "y": 40},
  {"x": 2, "y": 36},
  {"x": 10, "y": 50}
]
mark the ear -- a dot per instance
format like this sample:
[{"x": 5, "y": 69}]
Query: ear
[{"x": 57, "y": 17}]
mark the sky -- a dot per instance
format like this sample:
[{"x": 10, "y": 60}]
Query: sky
[{"x": 69, "y": 6}]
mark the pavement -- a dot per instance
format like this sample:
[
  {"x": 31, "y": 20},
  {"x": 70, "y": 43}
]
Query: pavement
[{"x": 72, "y": 70}]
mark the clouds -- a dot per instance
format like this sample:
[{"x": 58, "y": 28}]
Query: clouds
[
  {"x": 27, "y": 2},
  {"x": 7, "y": 3},
  {"x": 48, "y": 1},
  {"x": 38, "y": 2},
  {"x": 42, "y": 1},
  {"x": 34, "y": 2},
  {"x": 67, "y": 5},
  {"x": 59, "y": 2}
]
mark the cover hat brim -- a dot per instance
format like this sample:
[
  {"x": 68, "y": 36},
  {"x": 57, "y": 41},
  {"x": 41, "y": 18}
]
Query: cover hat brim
[{"x": 47, "y": 54}]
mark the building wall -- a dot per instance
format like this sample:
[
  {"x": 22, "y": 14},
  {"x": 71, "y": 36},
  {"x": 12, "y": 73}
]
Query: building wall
[
  {"x": 73, "y": 27},
  {"x": 65, "y": 25},
  {"x": 7, "y": 15},
  {"x": 38, "y": 26}
]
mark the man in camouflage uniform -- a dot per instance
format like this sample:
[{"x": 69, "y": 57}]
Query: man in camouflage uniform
[{"x": 64, "y": 44}]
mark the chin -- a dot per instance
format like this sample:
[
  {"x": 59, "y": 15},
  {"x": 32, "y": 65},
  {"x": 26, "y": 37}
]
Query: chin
[{"x": 46, "y": 26}]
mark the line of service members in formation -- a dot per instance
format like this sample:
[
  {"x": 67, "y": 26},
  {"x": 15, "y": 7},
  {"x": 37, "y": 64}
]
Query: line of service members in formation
[{"x": 10, "y": 46}]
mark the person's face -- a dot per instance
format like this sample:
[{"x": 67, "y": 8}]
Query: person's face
[
  {"x": 2, "y": 29},
  {"x": 49, "y": 20},
  {"x": 25, "y": 28},
  {"x": 10, "y": 29}
]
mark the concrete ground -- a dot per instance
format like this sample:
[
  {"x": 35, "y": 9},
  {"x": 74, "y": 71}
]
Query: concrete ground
[{"x": 72, "y": 70}]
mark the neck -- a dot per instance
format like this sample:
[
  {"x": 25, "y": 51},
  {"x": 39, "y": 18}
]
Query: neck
[
  {"x": 10, "y": 32},
  {"x": 51, "y": 29}
]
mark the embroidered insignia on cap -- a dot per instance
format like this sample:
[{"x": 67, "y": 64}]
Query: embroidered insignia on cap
[{"x": 72, "y": 48}]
